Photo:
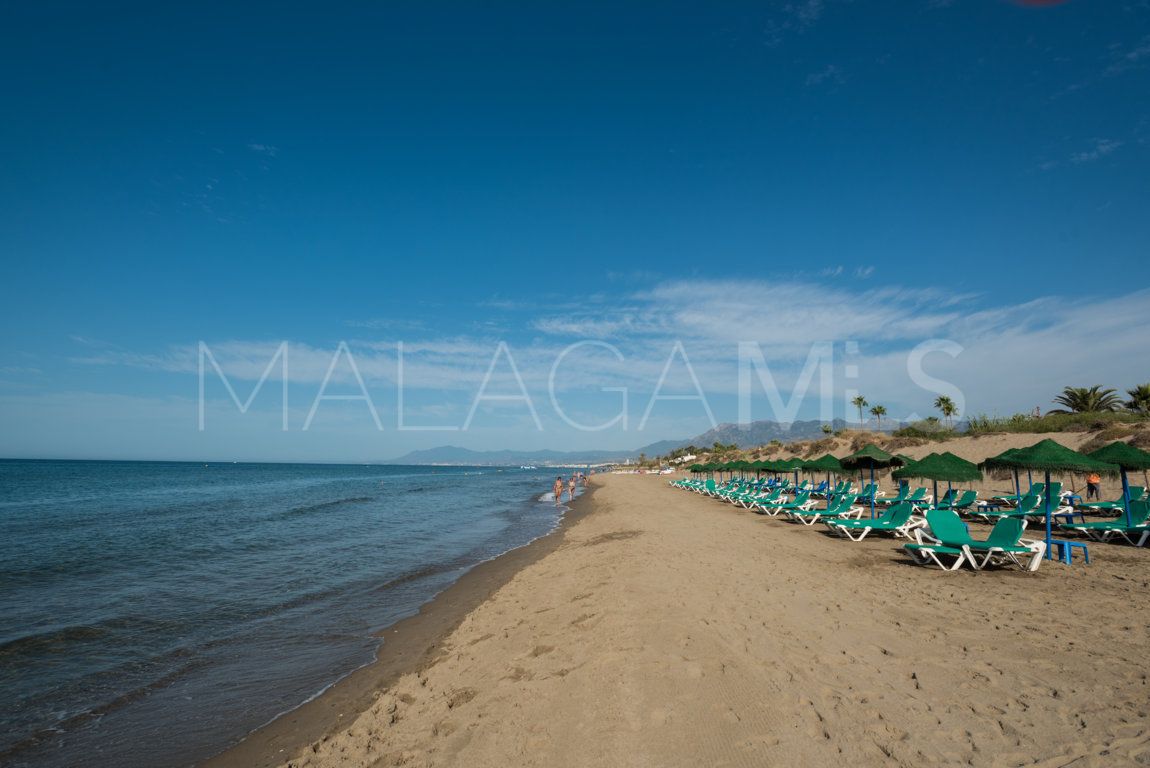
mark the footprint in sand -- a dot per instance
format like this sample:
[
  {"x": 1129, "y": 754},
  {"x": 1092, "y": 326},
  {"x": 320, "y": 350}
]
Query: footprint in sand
[
  {"x": 461, "y": 696},
  {"x": 613, "y": 536}
]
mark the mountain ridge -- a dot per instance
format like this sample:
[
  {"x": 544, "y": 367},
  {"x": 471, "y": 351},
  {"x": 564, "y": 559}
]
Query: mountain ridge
[{"x": 743, "y": 435}]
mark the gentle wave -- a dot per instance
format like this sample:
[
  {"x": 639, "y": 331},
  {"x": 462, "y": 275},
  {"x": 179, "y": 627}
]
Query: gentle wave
[
  {"x": 63, "y": 639},
  {"x": 143, "y": 597},
  {"x": 308, "y": 509},
  {"x": 69, "y": 722}
]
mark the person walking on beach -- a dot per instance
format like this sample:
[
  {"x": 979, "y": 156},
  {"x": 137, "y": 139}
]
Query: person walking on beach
[
  {"x": 1092, "y": 486},
  {"x": 557, "y": 489},
  {"x": 571, "y": 487}
]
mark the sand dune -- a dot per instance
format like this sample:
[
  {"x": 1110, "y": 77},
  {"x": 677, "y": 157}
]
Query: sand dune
[
  {"x": 672, "y": 630},
  {"x": 980, "y": 447}
]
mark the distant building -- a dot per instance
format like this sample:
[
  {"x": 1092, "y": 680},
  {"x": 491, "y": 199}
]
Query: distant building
[{"x": 684, "y": 459}]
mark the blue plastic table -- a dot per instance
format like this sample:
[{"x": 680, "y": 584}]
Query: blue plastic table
[{"x": 1066, "y": 550}]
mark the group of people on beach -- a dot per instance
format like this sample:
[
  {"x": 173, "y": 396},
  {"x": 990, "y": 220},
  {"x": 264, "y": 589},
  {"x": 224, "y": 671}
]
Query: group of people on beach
[{"x": 575, "y": 478}]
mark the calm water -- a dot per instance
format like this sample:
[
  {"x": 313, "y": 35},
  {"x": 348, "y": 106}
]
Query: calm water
[{"x": 152, "y": 613}]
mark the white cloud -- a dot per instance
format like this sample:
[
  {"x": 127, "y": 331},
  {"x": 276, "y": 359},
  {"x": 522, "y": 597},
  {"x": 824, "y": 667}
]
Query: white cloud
[
  {"x": 1015, "y": 356},
  {"x": 1126, "y": 59},
  {"x": 793, "y": 17},
  {"x": 584, "y": 325},
  {"x": 387, "y": 324},
  {"x": 831, "y": 73},
  {"x": 264, "y": 149},
  {"x": 1101, "y": 148},
  {"x": 806, "y": 12}
]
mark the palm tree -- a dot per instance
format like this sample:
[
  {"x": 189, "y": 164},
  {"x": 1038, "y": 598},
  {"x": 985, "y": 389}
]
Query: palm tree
[
  {"x": 1087, "y": 400},
  {"x": 878, "y": 412},
  {"x": 827, "y": 429},
  {"x": 860, "y": 403},
  {"x": 946, "y": 406},
  {"x": 1139, "y": 399}
]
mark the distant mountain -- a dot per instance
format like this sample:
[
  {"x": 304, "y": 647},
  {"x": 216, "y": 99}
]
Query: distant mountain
[
  {"x": 664, "y": 447},
  {"x": 450, "y": 454},
  {"x": 747, "y": 435},
  {"x": 744, "y": 435}
]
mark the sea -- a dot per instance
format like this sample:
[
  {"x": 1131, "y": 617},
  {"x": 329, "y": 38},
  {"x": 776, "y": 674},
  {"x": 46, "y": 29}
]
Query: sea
[{"x": 153, "y": 613}]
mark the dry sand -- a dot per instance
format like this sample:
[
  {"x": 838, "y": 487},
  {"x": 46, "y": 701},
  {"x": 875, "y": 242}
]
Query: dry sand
[{"x": 668, "y": 629}]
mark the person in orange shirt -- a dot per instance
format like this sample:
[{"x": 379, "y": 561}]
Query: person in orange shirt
[{"x": 1092, "y": 486}]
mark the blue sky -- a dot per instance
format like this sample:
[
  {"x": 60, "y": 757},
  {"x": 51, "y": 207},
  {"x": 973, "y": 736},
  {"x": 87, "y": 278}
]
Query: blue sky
[{"x": 456, "y": 175}]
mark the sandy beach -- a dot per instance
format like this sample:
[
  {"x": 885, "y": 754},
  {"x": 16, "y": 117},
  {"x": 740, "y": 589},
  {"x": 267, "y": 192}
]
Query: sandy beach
[{"x": 663, "y": 628}]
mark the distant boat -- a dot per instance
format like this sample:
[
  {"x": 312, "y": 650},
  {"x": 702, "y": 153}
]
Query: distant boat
[{"x": 528, "y": 466}]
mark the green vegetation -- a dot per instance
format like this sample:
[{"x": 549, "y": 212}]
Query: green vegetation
[
  {"x": 1055, "y": 421},
  {"x": 929, "y": 428},
  {"x": 689, "y": 450},
  {"x": 946, "y": 407},
  {"x": 878, "y": 412},
  {"x": 1087, "y": 400},
  {"x": 1084, "y": 409},
  {"x": 1139, "y": 401}
]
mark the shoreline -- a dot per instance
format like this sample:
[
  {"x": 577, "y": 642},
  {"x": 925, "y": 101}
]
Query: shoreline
[
  {"x": 670, "y": 629},
  {"x": 407, "y": 646}
]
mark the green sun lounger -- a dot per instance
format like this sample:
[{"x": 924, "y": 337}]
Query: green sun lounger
[
  {"x": 1036, "y": 489},
  {"x": 899, "y": 497},
  {"x": 899, "y": 520},
  {"x": 1004, "y": 544},
  {"x": 917, "y": 496},
  {"x": 842, "y": 508},
  {"x": 1137, "y": 533},
  {"x": 1028, "y": 506},
  {"x": 1136, "y": 493},
  {"x": 962, "y": 503},
  {"x": 950, "y": 538},
  {"x": 756, "y": 495},
  {"x": 770, "y": 500},
  {"x": 947, "y": 539},
  {"x": 801, "y": 501}
]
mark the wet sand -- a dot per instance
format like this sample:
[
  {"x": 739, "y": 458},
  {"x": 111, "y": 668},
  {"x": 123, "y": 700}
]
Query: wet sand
[{"x": 408, "y": 646}]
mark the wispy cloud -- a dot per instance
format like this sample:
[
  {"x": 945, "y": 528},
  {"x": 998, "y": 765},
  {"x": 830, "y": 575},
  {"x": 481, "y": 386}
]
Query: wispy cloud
[
  {"x": 806, "y": 12},
  {"x": 264, "y": 149},
  {"x": 1101, "y": 148},
  {"x": 710, "y": 318},
  {"x": 1098, "y": 149},
  {"x": 388, "y": 324},
  {"x": 1124, "y": 59},
  {"x": 831, "y": 74},
  {"x": 794, "y": 17}
]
